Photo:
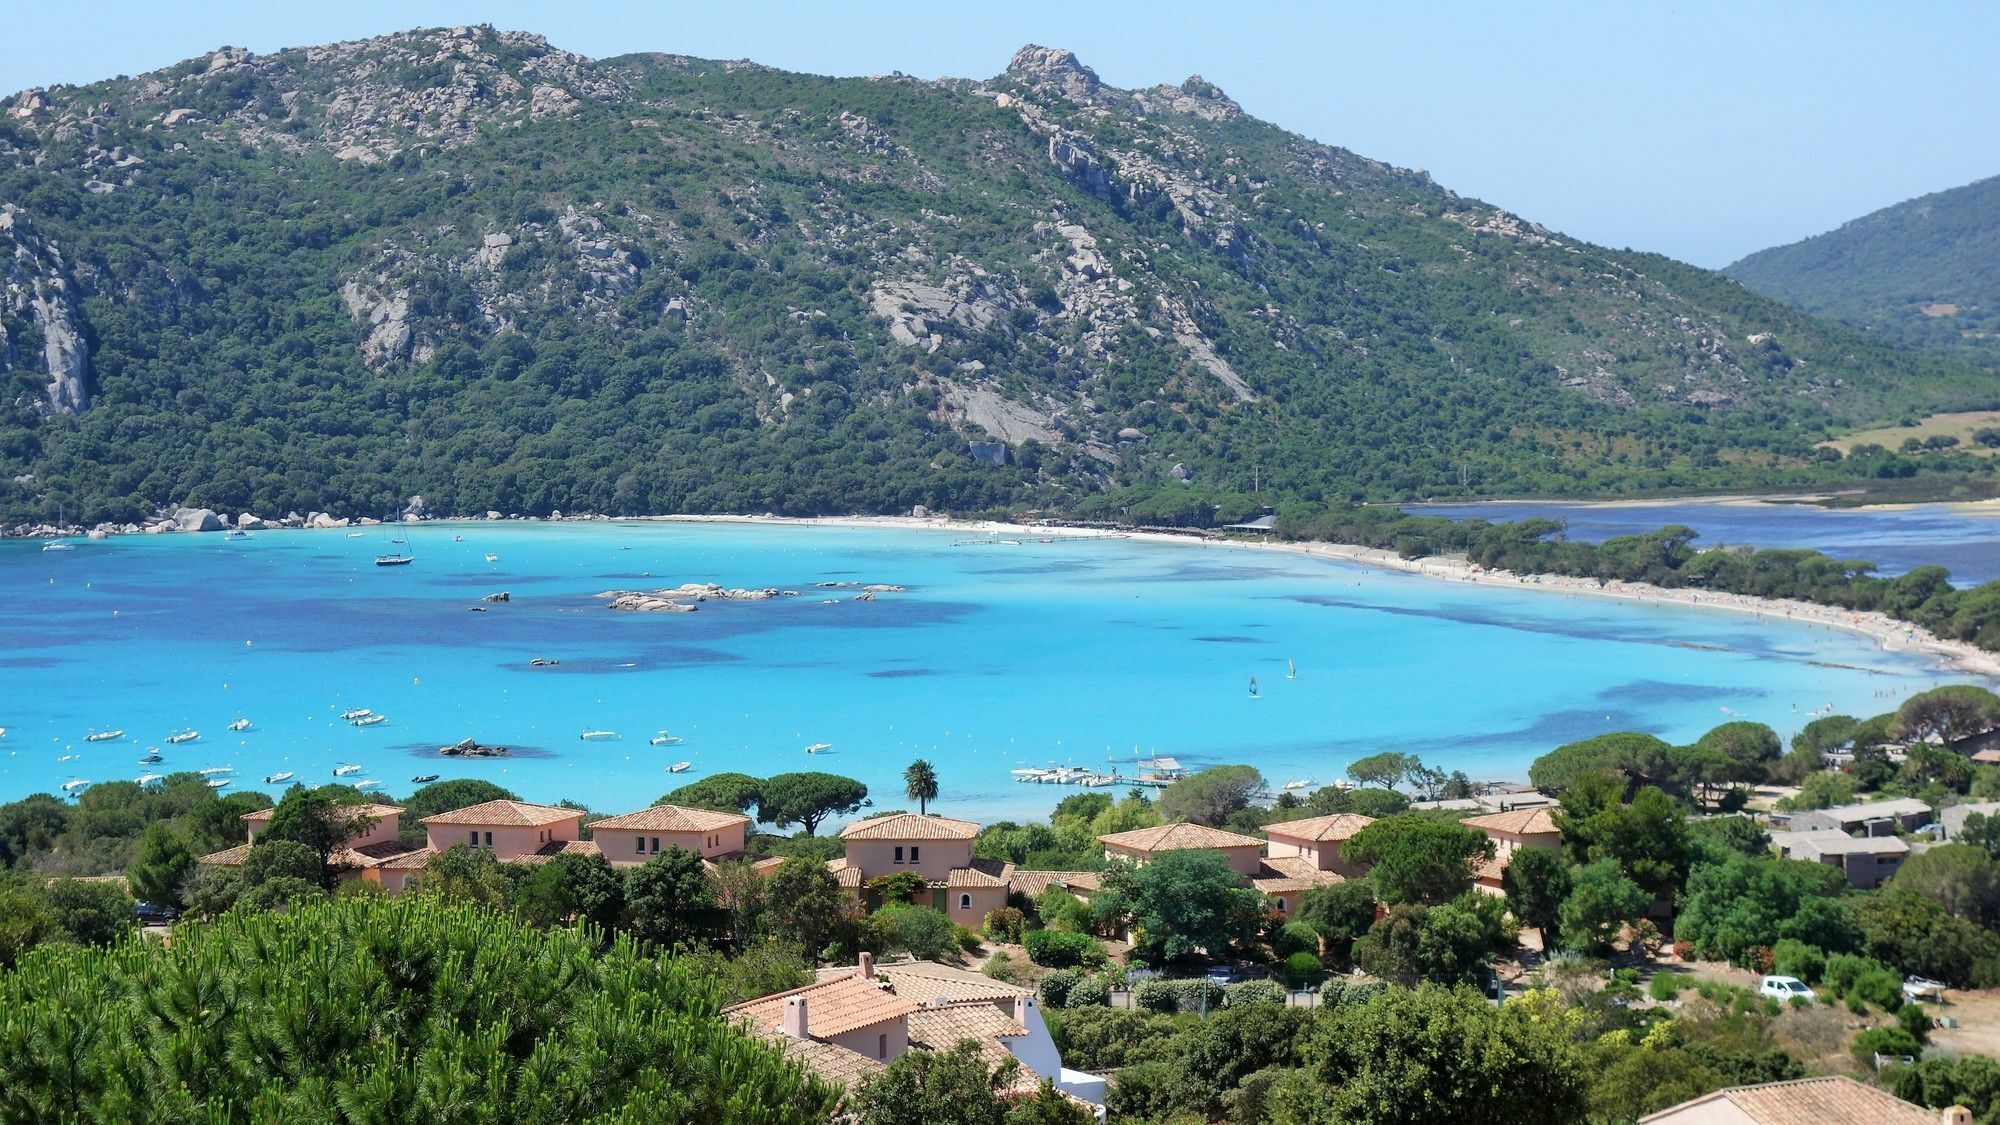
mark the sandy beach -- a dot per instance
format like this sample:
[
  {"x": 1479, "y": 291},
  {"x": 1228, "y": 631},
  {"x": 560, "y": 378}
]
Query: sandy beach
[{"x": 1891, "y": 634}]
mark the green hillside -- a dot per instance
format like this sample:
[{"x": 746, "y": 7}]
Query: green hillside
[
  {"x": 467, "y": 265},
  {"x": 1926, "y": 271}
]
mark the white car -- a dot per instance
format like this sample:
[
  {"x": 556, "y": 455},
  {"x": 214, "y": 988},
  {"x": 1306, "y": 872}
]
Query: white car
[{"x": 1784, "y": 988}]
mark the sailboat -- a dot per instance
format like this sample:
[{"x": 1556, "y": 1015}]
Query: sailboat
[
  {"x": 1291, "y": 670},
  {"x": 402, "y": 557},
  {"x": 1253, "y": 688}
]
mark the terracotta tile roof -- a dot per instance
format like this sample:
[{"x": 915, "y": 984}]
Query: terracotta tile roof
[
  {"x": 982, "y": 873},
  {"x": 1321, "y": 829},
  {"x": 924, "y": 982},
  {"x": 1490, "y": 870},
  {"x": 555, "y": 848},
  {"x": 408, "y": 861},
  {"x": 941, "y": 1027},
  {"x": 377, "y": 854},
  {"x": 1290, "y": 875},
  {"x": 910, "y": 826},
  {"x": 673, "y": 818},
  {"x": 845, "y": 874},
  {"x": 837, "y": 1065},
  {"x": 1804, "y": 1101},
  {"x": 1033, "y": 883},
  {"x": 375, "y": 812},
  {"x": 1520, "y": 822},
  {"x": 1177, "y": 837},
  {"x": 227, "y": 857},
  {"x": 768, "y": 864},
  {"x": 833, "y": 1007},
  {"x": 505, "y": 814}
]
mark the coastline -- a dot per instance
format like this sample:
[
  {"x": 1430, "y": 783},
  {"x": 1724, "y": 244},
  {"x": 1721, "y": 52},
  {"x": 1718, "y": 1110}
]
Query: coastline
[{"x": 1892, "y": 635}]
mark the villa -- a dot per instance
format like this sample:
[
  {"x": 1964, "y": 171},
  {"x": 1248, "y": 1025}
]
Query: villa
[
  {"x": 374, "y": 853},
  {"x": 1954, "y": 817},
  {"x": 1867, "y": 861},
  {"x": 852, "y": 1021},
  {"x": 1510, "y": 832},
  {"x": 634, "y": 838},
  {"x": 1300, "y": 860},
  {"x": 1873, "y": 818},
  {"x": 1837, "y": 1100},
  {"x": 936, "y": 849}
]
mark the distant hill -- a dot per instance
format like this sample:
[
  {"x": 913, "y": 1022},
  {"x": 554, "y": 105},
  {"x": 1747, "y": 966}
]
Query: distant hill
[
  {"x": 1925, "y": 271},
  {"x": 466, "y": 264}
]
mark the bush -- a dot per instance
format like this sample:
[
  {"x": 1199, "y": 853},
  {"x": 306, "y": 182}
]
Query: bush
[
  {"x": 1194, "y": 990},
  {"x": 1885, "y": 1041},
  {"x": 1795, "y": 958},
  {"x": 1005, "y": 924},
  {"x": 1913, "y": 1019},
  {"x": 1001, "y": 966},
  {"x": 1296, "y": 937},
  {"x": 1301, "y": 969},
  {"x": 967, "y": 940},
  {"x": 1088, "y": 992},
  {"x": 1055, "y": 987},
  {"x": 1665, "y": 986},
  {"x": 1156, "y": 996},
  {"x": 1254, "y": 992},
  {"x": 1057, "y": 949},
  {"x": 923, "y": 932}
]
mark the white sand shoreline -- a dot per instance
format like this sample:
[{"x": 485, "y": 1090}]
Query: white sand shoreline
[{"x": 1892, "y": 635}]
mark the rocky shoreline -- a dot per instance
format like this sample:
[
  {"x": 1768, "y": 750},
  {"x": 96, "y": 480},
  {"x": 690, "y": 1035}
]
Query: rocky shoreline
[{"x": 686, "y": 597}]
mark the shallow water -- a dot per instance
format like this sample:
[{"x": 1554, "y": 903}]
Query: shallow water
[
  {"x": 997, "y": 656},
  {"x": 1896, "y": 539}
]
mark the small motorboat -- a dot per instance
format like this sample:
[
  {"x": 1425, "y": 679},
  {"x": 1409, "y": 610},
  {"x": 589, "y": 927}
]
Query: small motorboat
[
  {"x": 1301, "y": 783},
  {"x": 423, "y": 779},
  {"x": 178, "y": 737},
  {"x": 354, "y": 535},
  {"x": 490, "y": 557},
  {"x": 211, "y": 771},
  {"x": 104, "y": 736},
  {"x": 344, "y": 771},
  {"x": 68, "y": 758},
  {"x": 458, "y": 538},
  {"x": 598, "y": 735},
  {"x": 151, "y": 757},
  {"x": 356, "y": 713},
  {"x": 240, "y": 724},
  {"x": 394, "y": 560},
  {"x": 57, "y": 545},
  {"x": 371, "y": 783},
  {"x": 680, "y": 767},
  {"x": 369, "y": 720},
  {"x": 218, "y": 783},
  {"x": 146, "y": 778},
  {"x": 543, "y": 662},
  {"x": 284, "y": 775},
  {"x": 819, "y": 747},
  {"x": 235, "y": 533},
  {"x": 75, "y": 785},
  {"x": 664, "y": 739}
]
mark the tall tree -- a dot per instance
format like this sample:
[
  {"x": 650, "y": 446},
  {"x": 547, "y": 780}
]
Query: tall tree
[
  {"x": 1601, "y": 901},
  {"x": 1536, "y": 881},
  {"x": 1210, "y": 796},
  {"x": 807, "y": 906},
  {"x": 1181, "y": 903},
  {"x": 160, "y": 867},
  {"x": 1416, "y": 859},
  {"x": 920, "y": 784},
  {"x": 320, "y": 821},
  {"x": 723, "y": 792},
  {"x": 807, "y": 799},
  {"x": 1381, "y": 771},
  {"x": 671, "y": 902},
  {"x": 1948, "y": 713}
]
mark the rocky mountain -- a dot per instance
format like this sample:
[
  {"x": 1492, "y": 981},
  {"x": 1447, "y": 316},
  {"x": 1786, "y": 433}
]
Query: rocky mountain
[
  {"x": 1925, "y": 271},
  {"x": 467, "y": 264}
]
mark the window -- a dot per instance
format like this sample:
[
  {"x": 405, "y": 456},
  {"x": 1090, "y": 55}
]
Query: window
[
  {"x": 899, "y": 853},
  {"x": 882, "y": 1045},
  {"x": 913, "y": 853},
  {"x": 656, "y": 845},
  {"x": 475, "y": 837},
  {"x": 965, "y": 902},
  {"x": 639, "y": 845},
  {"x": 489, "y": 839},
  {"x": 1281, "y": 904}
]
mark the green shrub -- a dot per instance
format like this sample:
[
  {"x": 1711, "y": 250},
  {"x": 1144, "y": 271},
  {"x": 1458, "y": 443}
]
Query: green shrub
[
  {"x": 1254, "y": 992},
  {"x": 1001, "y": 966},
  {"x": 1058, "y": 949},
  {"x": 1301, "y": 969},
  {"x": 1915, "y": 1020},
  {"x": 1088, "y": 992},
  {"x": 1881, "y": 988},
  {"x": 1795, "y": 958},
  {"x": 1885, "y": 1041},
  {"x": 967, "y": 940},
  {"x": 1296, "y": 937},
  {"x": 1156, "y": 996},
  {"x": 1665, "y": 986},
  {"x": 1193, "y": 991},
  {"x": 1005, "y": 924},
  {"x": 1055, "y": 987}
]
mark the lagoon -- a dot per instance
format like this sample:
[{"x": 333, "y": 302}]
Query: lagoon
[{"x": 1000, "y": 653}]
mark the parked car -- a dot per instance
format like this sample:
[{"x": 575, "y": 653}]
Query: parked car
[
  {"x": 1923, "y": 988},
  {"x": 1222, "y": 974},
  {"x": 154, "y": 914},
  {"x": 1784, "y": 988}
]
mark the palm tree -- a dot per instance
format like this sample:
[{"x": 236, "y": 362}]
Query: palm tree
[{"x": 920, "y": 784}]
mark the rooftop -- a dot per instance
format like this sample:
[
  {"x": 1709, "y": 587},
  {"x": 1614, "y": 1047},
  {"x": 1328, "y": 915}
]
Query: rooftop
[
  {"x": 910, "y": 826},
  {"x": 1832, "y": 841},
  {"x": 1804, "y": 1101},
  {"x": 982, "y": 873},
  {"x": 1177, "y": 837},
  {"x": 1520, "y": 822},
  {"x": 1290, "y": 875},
  {"x": 1869, "y": 810},
  {"x": 837, "y": 1065},
  {"x": 672, "y": 818},
  {"x": 1033, "y": 883},
  {"x": 833, "y": 1007},
  {"x": 939, "y": 1027},
  {"x": 507, "y": 814},
  {"x": 1337, "y": 827},
  {"x": 373, "y": 812},
  {"x": 925, "y": 982}
]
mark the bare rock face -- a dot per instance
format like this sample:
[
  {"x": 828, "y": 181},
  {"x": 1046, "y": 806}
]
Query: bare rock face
[
  {"x": 390, "y": 337},
  {"x": 36, "y": 291},
  {"x": 1056, "y": 66}
]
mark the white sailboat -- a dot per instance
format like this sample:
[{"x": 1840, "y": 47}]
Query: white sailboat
[{"x": 1291, "y": 670}]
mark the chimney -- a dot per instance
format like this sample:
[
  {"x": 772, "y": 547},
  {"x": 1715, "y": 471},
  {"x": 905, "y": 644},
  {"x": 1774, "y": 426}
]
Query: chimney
[
  {"x": 1956, "y": 1115},
  {"x": 866, "y": 969},
  {"x": 795, "y": 1024}
]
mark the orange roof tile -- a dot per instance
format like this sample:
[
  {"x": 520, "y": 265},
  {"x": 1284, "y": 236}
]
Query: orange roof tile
[
  {"x": 555, "y": 848},
  {"x": 377, "y": 854},
  {"x": 833, "y": 1007},
  {"x": 982, "y": 873},
  {"x": 227, "y": 857},
  {"x": 505, "y": 814},
  {"x": 375, "y": 812},
  {"x": 1033, "y": 883},
  {"x": 1321, "y": 829},
  {"x": 910, "y": 826},
  {"x": 1290, "y": 874},
  {"x": 672, "y": 818},
  {"x": 768, "y": 864},
  {"x": 1805, "y": 1101},
  {"x": 1177, "y": 837},
  {"x": 941, "y": 1027},
  {"x": 1521, "y": 822},
  {"x": 837, "y": 1065},
  {"x": 925, "y": 982},
  {"x": 845, "y": 873}
]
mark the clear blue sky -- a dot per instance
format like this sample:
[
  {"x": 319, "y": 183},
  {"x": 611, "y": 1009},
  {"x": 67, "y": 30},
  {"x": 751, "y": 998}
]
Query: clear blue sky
[{"x": 1704, "y": 130}]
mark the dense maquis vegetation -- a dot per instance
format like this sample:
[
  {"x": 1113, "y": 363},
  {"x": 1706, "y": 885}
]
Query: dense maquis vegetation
[
  {"x": 1667, "y": 557},
  {"x": 371, "y": 1010},
  {"x": 1920, "y": 271},
  {"x": 656, "y": 285}
]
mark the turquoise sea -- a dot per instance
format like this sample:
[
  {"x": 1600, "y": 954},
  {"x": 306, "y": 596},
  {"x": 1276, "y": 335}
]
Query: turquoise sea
[{"x": 998, "y": 655}]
